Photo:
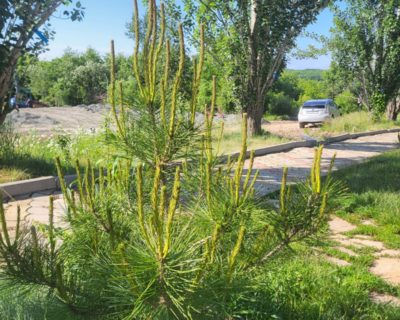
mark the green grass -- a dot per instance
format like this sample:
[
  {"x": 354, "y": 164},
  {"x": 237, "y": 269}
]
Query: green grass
[
  {"x": 355, "y": 122},
  {"x": 303, "y": 285},
  {"x": 12, "y": 174},
  {"x": 33, "y": 156},
  {"x": 374, "y": 194},
  {"x": 232, "y": 139}
]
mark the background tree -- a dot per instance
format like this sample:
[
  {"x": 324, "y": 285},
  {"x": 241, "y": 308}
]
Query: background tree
[
  {"x": 72, "y": 78},
  {"x": 19, "y": 25},
  {"x": 366, "y": 46},
  {"x": 257, "y": 35}
]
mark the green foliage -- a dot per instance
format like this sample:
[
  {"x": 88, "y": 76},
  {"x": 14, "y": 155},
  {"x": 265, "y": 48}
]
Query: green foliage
[
  {"x": 378, "y": 103},
  {"x": 227, "y": 99},
  {"x": 365, "y": 47},
  {"x": 71, "y": 79},
  {"x": 8, "y": 139},
  {"x": 312, "y": 89},
  {"x": 280, "y": 104},
  {"x": 20, "y": 22},
  {"x": 250, "y": 40},
  {"x": 356, "y": 122},
  {"x": 288, "y": 84},
  {"x": 32, "y": 156},
  {"x": 347, "y": 102},
  {"x": 169, "y": 230},
  {"x": 307, "y": 74}
]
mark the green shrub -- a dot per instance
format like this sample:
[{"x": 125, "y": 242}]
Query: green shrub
[
  {"x": 347, "y": 102},
  {"x": 69, "y": 80},
  {"x": 280, "y": 104}
]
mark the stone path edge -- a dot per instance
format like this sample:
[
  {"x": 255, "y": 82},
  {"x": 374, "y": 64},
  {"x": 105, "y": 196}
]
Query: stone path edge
[{"x": 18, "y": 188}]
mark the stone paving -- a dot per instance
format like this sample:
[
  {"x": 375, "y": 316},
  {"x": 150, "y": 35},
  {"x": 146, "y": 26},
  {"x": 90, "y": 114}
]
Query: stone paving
[
  {"x": 35, "y": 209},
  {"x": 386, "y": 264},
  {"x": 299, "y": 160}
]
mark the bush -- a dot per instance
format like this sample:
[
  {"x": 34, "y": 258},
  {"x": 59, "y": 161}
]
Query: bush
[
  {"x": 280, "y": 104},
  {"x": 311, "y": 90},
  {"x": 71, "y": 79},
  {"x": 347, "y": 102}
]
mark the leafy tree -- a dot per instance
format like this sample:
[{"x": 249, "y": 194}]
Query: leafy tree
[
  {"x": 70, "y": 79},
  {"x": 19, "y": 27},
  {"x": 226, "y": 100},
  {"x": 257, "y": 36},
  {"x": 312, "y": 89},
  {"x": 366, "y": 46},
  {"x": 288, "y": 84}
]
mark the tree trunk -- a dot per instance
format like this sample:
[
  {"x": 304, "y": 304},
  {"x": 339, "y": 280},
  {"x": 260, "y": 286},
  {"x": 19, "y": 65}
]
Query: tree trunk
[
  {"x": 393, "y": 109},
  {"x": 3, "y": 118},
  {"x": 5, "y": 85},
  {"x": 255, "y": 112}
]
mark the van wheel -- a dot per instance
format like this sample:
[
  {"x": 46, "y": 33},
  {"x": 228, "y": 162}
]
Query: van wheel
[{"x": 302, "y": 124}]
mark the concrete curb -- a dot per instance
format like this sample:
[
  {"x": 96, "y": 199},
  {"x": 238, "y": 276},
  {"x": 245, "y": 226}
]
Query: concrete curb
[
  {"x": 18, "y": 188},
  {"x": 350, "y": 136}
]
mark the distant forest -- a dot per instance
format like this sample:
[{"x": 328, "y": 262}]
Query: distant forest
[{"x": 308, "y": 74}]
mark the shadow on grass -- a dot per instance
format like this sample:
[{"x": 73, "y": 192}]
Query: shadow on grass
[
  {"x": 381, "y": 173},
  {"x": 19, "y": 302},
  {"x": 32, "y": 166}
]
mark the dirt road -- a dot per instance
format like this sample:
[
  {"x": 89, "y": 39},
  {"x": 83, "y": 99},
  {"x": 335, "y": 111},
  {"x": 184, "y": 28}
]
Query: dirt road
[{"x": 45, "y": 121}]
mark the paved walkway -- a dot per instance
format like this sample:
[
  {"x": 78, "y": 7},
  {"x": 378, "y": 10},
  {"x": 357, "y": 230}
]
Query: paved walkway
[
  {"x": 299, "y": 160},
  {"x": 34, "y": 208}
]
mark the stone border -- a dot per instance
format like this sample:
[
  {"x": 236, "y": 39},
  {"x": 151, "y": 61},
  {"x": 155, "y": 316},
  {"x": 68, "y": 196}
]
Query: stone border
[{"x": 18, "y": 188}]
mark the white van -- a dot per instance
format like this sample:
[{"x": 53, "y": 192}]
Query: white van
[{"x": 317, "y": 111}]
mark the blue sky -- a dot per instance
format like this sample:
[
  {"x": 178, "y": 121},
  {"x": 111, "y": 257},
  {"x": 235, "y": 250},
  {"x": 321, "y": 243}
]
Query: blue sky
[{"x": 106, "y": 19}]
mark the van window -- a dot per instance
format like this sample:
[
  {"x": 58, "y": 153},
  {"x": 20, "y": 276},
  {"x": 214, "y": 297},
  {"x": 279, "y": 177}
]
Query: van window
[{"x": 315, "y": 106}]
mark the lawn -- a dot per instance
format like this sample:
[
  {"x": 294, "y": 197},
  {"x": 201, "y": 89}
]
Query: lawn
[
  {"x": 232, "y": 137},
  {"x": 301, "y": 284}
]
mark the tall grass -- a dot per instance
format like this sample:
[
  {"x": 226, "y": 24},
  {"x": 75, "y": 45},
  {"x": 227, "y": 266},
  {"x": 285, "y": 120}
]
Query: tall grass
[
  {"x": 33, "y": 155},
  {"x": 356, "y": 122},
  {"x": 231, "y": 139}
]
